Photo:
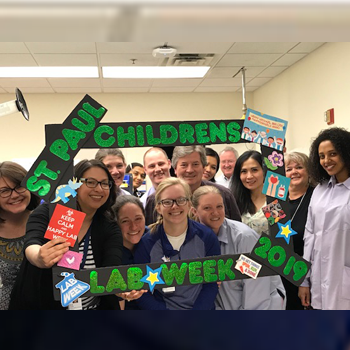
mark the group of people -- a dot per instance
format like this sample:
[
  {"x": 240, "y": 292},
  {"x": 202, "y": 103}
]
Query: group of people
[{"x": 188, "y": 216}]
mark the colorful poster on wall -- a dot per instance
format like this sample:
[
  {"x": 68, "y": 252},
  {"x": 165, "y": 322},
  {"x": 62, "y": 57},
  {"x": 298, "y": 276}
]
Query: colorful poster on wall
[{"x": 264, "y": 129}]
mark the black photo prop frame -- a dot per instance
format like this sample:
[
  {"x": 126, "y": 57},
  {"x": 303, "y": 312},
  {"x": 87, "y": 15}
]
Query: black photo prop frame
[{"x": 82, "y": 129}]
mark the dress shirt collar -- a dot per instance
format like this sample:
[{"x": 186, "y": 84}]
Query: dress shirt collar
[
  {"x": 332, "y": 182},
  {"x": 222, "y": 235}
]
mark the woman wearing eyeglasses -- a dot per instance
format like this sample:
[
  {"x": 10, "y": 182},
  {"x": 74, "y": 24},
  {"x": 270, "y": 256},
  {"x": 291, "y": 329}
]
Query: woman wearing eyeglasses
[
  {"x": 100, "y": 241},
  {"x": 16, "y": 203},
  {"x": 175, "y": 237}
]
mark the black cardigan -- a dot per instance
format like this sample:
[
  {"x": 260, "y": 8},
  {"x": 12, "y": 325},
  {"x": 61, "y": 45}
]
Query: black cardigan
[{"x": 34, "y": 287}]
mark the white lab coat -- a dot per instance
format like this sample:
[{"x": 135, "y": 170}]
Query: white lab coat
[{"x": 327, "y": 246}]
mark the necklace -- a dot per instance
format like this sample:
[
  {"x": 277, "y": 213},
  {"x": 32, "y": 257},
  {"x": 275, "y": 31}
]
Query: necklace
[{"x": 298, "y": 206}]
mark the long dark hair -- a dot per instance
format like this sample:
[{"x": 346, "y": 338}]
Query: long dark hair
[
  {"x": 340, "y": 139},
  {"x": 81, "y": 168},
  {"x": 16, "y": 173},
  {"x": 241, "y": 193},
  {"x": 212, "y": 153}
]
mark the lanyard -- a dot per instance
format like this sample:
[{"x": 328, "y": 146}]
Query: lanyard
[
  {"x": 298, "y": 206},
  {"x": 86, "y": 247}
]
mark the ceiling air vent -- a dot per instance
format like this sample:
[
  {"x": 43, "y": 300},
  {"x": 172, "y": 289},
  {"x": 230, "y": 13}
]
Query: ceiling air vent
[{"x": 190, "y": 59}]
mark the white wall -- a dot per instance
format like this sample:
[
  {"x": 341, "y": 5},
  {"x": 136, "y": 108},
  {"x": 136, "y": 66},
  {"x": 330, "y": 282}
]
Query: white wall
[
  {"x": 302, "y": 94},
  {"x": 21, "y": 139}
]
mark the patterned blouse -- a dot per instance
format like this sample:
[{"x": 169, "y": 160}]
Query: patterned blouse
[
  {"x": 257, "y": 222},
  {"x": 11, "y": 256}
]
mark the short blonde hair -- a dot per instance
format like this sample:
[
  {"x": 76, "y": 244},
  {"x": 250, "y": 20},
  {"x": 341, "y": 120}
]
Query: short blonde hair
[
  {"x": 302, "y": 159},
  {"x": 299, "y": 158}
]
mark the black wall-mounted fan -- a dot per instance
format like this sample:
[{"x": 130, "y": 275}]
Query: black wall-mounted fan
[{"x": 18, "y": 105}]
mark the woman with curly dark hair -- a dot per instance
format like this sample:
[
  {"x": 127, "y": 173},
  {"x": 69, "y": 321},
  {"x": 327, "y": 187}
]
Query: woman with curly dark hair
[{"x": 327, "y": 236}]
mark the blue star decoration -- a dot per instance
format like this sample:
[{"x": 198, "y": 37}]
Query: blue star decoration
[
  {"x": 286, "y": 231},
  {"x": 152, "y": 277}
]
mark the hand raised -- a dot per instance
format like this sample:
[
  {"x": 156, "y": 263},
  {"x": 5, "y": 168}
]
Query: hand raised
[{"x": 51, "y": 252}]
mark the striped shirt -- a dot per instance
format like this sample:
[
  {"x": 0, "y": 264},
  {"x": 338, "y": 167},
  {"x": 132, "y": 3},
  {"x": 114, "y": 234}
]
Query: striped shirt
[{"x": 88, "y": 303}]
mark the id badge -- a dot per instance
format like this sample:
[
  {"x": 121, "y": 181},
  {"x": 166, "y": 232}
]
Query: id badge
[
  {"x": 168, "y": 290},
  {"x": 76, "y": 305}
]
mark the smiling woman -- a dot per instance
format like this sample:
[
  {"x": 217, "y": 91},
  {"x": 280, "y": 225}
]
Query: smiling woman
[
  {"x": 327, "y": 240},
  {"x": 235, "y": 237},
  {"x": 246, "y": 186},
  {"x": 299, "y": 196},
  {"x": 213, "y": 164},
  {"x": 114, "y": 160},
  {"x": 175, "y": 237},
  {"x": 16, "y": 203},
  {"x": 130, "y": 215},
  {"x": 99, "y": 240}
]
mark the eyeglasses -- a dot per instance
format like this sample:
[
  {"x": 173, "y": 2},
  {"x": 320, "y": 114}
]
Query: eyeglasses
[
  {"x": 167, "y": 203},
  {"x": 7, "y": 191},
  {"x": 92, "y": 183}
]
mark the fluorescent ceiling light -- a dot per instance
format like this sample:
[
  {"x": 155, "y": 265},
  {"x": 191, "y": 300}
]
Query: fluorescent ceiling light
[
  {"x": 154, "y": 72},
  {"x": 49, "y": 72}
]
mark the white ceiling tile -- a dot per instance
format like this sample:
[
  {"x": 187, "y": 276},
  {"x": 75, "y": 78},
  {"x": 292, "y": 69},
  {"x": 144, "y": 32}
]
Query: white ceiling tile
[
  {"x": 126, "y": 47},
  {"x": 60, "y": 47},
  {"x": 33, "y": 90},
  {"x": 21, "y": 83},
  {"x": 13, "y": 48},
  {"x": 258, "y": 81},
  {"x": 263, "y": 61},
  {"x": 122, "y": 90},
  {"x": 289, "y": 59},
  {"x": 66, "y": 59},
  {"x": 141, "y": 83},
  {"x": 306, "y": 47},
  {"x": 73, "y": 83},
  {"x": 216, "y": 89},
  {"x": 172, "y": 89},
  {"x": 222, "y": 82},
  {"x": 261, "y": 47},
  {"x": 126, "y": 60},
  {"x": 16, "y": 60},
  {"x": 271, "y": 72},
  {"x": 257, "y": 60},
  {"x": 176, "y": 82},
  {"x": 87, "y": 90},
  {"x": 229, "y": 72}
]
